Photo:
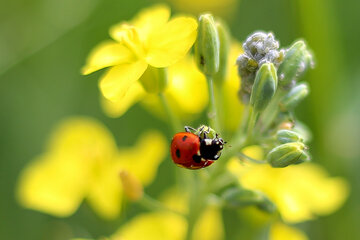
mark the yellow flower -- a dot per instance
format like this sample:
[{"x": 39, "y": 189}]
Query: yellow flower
[
  {"x": 153, "y": 226},
  {"x": 150, "y": 39},
  {"x": 167, "y": 225},
  {"x": 300, "y": 192},
  {"x": 82, "y": 162},
  {"x": 280, "y": 231}
]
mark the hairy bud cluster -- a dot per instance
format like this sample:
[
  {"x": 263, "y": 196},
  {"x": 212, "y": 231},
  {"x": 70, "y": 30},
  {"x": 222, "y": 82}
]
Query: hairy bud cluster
[{"x": 259, "y": 48}]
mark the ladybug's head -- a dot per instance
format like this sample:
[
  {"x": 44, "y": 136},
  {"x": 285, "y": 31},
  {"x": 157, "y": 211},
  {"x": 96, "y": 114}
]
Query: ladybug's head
[{"x": 210, "y": 149}]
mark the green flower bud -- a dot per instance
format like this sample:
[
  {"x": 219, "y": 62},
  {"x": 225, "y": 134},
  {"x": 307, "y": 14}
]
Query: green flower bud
[
  {"x": 297, "y": 60},
  {"x": 236, "y": 197},
  {"x": 286, "y": 136},
  {"x": 294, "y": 97},
  {"x": 207, "y": 45},
  {"x": 286, "y": 154},
  {"x": 154, "y": 80},
  {"x": 224, "y": 38},
  {"x": 264, "y": 87}
]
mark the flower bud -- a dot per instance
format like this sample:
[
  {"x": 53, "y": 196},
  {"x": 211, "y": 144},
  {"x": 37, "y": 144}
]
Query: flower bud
[
  {"x": 154, "y": 80},
  {"x": 297, "y": 60},
  {"x": 236, "y": 197},
  {"x": 294, "y": 97},
  {"x": 131, "y": 186},
  {"x": 264, "y": 87},
  {"x": 286, "y": 136},
  {"x": 286, "y": 154},
  {"x": 207, "y": 45},
  {"x": 224, "y": 39}
]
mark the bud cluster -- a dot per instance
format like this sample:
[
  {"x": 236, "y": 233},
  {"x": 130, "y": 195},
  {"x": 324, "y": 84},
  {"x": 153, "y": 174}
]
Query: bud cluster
[
  {"x": 259, "y": 48},
  {"x": 269, "y": 83}
]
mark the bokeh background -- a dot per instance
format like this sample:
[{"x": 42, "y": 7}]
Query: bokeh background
[{"x": 44, "y": 43}]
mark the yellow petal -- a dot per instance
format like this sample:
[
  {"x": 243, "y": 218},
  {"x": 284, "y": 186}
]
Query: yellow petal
[
  {"x": 186, "y": 92},
  {"x": 153, "y": 226},
  {"x": 209, "y": 226},
  {"x": 143, "y": 160},
  {"x": 146, "y": 21},
  {"x": 118, "y": 108},
  {"x": 176, "y": 200},
  {"x": 53, "y": 184},
  {"x": 280, "y": 231},
  {"x": 83, "y": 138},
  {"x": 116, "y": 82},
  {"x": 107, "y": 54},
  {"x": 105, "y": 193},
  {"x": 171, "y": 43}
]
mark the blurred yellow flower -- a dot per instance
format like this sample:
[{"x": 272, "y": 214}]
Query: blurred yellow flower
[
  {"x": 232, "y": 107},
  {"x": 82, "y": 162},
  {"x": 149, "y": 39},
  {"x": 167, "y": 225},
  {"x": 300, "y": 192},
  {"x": 280, "y": 231},
  {"x": 153, "y": 226}
]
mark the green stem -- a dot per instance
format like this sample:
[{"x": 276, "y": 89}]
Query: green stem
[
  {"x": 251, "y": 124},
  {"x": 174, "y": 120},
  {"x": 212, "y": 114},
  {"x": 272, "y": 110},
  {"x": 153, "y": 204}
]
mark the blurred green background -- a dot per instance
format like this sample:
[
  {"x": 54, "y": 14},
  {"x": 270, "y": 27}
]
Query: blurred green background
[{"x": 44, "y": 43}]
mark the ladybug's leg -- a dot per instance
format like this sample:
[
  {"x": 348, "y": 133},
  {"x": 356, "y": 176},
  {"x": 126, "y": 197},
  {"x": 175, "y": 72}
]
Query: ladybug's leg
[
  {"x": 201, "y": 130},
  {"x": 189, "y": 129}
]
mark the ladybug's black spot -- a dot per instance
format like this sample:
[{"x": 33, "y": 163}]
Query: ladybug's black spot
[
  {"x": 177, "y": 153},
  {"x": 184, "y": 138},
  {"x": 196, "y": 158}
]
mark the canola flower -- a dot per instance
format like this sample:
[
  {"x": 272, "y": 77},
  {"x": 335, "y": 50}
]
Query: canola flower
[
  {"x": 300, "y": 192},
  {"x": 82, "y": 161},
  {"x": 150, "y": 40}
]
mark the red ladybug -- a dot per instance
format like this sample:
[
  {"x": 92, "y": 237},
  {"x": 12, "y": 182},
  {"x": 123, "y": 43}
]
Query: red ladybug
[{"x": 192, "y": 151}]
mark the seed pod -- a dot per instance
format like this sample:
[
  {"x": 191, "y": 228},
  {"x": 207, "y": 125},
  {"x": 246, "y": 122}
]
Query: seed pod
[
  {"x": 286, "y": 136},
  {"x": 294, "y": 97},
  {"x": 264, "y": 87},
  {"x": 207, "y": 45},
  {"x": 286, "y": 154},
  {"x": 297, "y": 60}
]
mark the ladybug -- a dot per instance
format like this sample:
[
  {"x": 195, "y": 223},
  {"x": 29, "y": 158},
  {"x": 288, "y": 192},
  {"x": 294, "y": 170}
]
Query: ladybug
[{"x": 195, "y": 151}]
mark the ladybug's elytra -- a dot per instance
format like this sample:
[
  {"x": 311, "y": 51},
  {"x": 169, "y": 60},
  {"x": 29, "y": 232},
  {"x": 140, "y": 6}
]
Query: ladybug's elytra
[{"x": 192, "y": 151}]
